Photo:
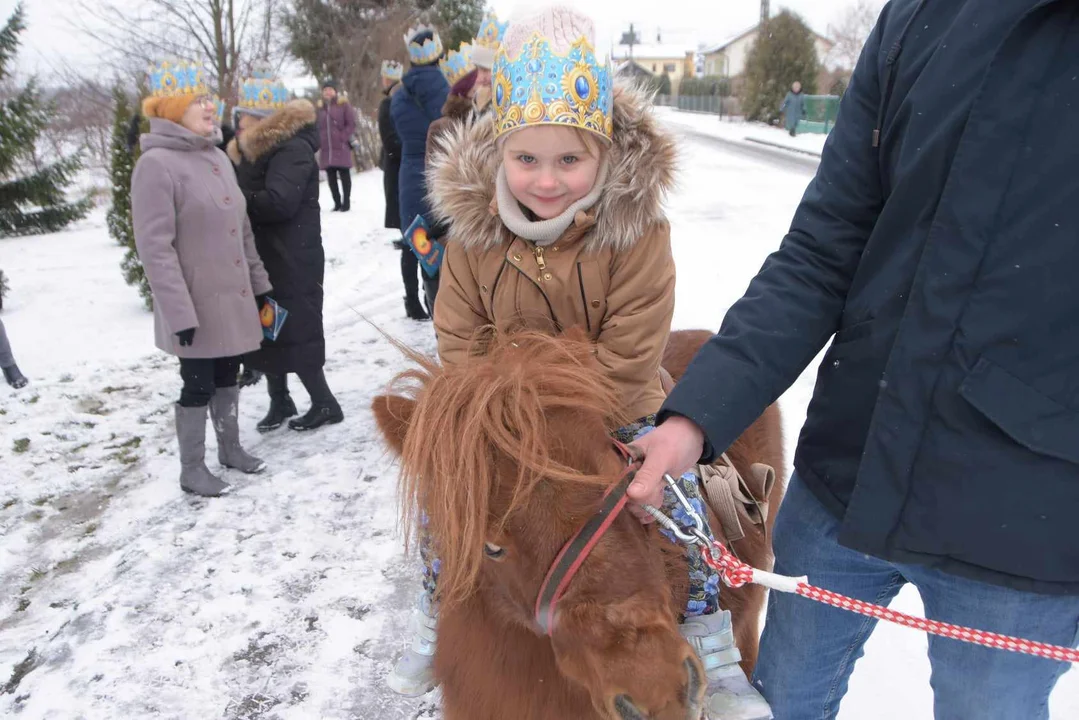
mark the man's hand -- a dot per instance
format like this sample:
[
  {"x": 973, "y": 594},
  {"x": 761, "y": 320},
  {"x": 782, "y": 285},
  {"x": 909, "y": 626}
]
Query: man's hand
[
  {"x": 673, "y": 447},
  {"x": 186, "y": 337}
]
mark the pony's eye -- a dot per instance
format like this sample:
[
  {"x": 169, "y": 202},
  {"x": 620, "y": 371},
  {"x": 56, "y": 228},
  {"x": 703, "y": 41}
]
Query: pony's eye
[{"x": 493, "y": 551}]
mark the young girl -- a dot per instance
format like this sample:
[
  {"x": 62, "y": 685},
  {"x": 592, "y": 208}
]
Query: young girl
[{"x": 556, "y": 220}]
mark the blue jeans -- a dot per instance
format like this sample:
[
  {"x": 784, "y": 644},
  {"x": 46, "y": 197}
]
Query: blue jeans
[{"x": 808, "y": 650}]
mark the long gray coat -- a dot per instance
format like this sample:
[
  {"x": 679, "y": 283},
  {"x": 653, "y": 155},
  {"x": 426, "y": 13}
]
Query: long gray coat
[{"x": 195, "y": 242}]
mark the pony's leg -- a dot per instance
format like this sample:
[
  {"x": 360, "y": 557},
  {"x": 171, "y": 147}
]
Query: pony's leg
[{"x": 413, "y": 675}]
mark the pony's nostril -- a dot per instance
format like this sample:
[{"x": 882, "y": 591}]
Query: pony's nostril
[{"x": 627, "y": 710}]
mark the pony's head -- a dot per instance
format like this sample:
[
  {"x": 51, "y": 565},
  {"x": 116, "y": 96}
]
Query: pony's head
[{"x": 506, "y": 456}]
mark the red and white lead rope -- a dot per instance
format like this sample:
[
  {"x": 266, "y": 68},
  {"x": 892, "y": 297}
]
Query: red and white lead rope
[{"x": 736, "y": 573}]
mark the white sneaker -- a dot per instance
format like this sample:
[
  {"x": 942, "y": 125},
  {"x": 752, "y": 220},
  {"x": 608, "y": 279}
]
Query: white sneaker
[
  {"x": 413, "y": 675},
  {"x": 730, "y": 696}
]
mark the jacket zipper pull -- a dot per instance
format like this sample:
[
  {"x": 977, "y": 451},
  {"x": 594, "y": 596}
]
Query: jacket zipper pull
[{"x": 539, "y": 258}]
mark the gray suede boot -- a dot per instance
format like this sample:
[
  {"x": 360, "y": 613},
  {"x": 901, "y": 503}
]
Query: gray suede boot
[
  {"x": 191, "y": 433},
  {"x": 730, "y": 696},
  {"x": 225, "y": 413}
]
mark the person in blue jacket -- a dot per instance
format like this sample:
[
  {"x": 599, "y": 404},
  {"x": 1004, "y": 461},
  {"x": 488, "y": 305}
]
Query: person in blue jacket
[
  {"x": 937, "y": 247},
  {"x": 414, "y": 105}
]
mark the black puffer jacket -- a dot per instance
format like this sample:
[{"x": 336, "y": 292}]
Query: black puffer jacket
[{"x": 277, "y": 169}]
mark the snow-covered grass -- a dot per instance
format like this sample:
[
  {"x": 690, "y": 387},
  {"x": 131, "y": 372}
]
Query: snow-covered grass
[
  {"x": 737, "y": 130},
  {"x": 122, "y": 598}
]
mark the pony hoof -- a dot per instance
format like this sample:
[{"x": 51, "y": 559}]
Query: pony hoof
[
  {"x": 695, "y": 685},
  {"x": 627, "y": 710}
]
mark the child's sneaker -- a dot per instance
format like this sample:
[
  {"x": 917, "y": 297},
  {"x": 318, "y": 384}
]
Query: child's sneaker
[
  {"x": 730, "y": 696},
  {"x": 414, "y": 673}
]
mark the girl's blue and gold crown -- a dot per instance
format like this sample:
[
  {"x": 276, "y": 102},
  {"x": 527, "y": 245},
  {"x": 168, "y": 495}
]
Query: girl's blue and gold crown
[
  {"x": 426, "y": 52},
  {"x": 491, "y": 32},
  {"x": 540, "y": 86},
  {"x": 457, "y": 64},
  {"x": 177, "y": 77},
  {"x": 392, "y": 70},
  {"x": 262, "y": 92}
]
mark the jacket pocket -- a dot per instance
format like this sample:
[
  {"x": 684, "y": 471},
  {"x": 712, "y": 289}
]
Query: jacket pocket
[
  {"x": 857, "y": 331},
  {"x": 1028, "y": 417}
]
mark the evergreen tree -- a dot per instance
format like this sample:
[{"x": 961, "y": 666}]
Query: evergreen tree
[
  {"x": 458, "y": 21},
  {"x": 32, "y": 200},
  {"x": 785, "y": 52},
  {"x": 119, "y": 217}
]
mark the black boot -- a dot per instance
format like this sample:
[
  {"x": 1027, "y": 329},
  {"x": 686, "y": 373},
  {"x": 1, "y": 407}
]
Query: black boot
[
  {"x": 281, "y": 405},
  {"x": 414, "y": 310},
  {"x": 324, "y": 407},
  {"x": 14, "y": 377}
]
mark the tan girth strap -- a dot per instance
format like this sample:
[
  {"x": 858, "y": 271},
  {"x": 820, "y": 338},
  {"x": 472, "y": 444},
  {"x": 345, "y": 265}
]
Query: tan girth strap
[{"x": 735, "y": 499}]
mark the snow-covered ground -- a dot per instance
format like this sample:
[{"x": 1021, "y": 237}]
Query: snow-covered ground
[
  {"x": 122, "y": 598},
  {"x": 736, "y": 130}
]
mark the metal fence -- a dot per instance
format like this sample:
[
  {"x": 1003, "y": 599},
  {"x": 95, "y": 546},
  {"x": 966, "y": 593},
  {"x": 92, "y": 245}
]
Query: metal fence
[
  {"x": 821, "y": 110},
  {"x": 715, "y": 104}
]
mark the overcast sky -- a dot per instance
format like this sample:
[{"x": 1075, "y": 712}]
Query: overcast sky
[{"x": 50, "y": 37}]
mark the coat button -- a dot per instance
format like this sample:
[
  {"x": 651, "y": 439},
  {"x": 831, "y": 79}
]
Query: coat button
[
  {"x": 239, "y": 262},
  {"x": 217, "y": 170},
  {"x": 483, "y": 288},
  {"x": 546, "y": 276},
  {"x": 595, "y": 303},
  {"x": 233, "y": 231},
  {"x": 243, "y": 292},
  {"x": 516, "y": 258},
  {"x": 228, "y": 200}
]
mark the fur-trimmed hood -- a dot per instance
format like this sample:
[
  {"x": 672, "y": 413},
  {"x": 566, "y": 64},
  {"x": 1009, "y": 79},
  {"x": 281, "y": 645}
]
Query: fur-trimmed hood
[
  {"x": 643, "y": 157},
  {"x": 283, "y": 125}
]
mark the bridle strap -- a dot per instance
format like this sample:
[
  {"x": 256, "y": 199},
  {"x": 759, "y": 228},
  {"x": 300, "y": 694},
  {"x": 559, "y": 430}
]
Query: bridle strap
[{"x": 580, "y": 546}]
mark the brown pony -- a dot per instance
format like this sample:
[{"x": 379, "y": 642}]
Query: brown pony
[{"x": 508, "y": 455}]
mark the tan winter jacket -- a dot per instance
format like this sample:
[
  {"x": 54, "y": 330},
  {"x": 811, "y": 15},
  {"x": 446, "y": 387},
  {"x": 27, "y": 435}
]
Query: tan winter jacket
[{"x": 611, "y": 273}]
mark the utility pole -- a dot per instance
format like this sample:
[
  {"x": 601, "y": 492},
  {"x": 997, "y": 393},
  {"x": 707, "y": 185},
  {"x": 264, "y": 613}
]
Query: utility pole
[
  {"x": 765, "y": 12},
  {"x": 630, "y": 38}
]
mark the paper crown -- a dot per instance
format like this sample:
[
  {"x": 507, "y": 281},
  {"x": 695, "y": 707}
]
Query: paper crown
[
  {"x": 429, "y": 51},
  {"x": 177, "y": 77},
  {"x": 539, "y": 86},
  {"x": 262, "y": 92},
  {"x": 392, "y": 70},
  {"x": 219, "y": 108},
  {"x": 491, "y": 32},
  {"x": 457, "y": 64}
]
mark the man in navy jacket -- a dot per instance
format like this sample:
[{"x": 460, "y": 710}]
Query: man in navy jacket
[{"x": 939, "y": 245}]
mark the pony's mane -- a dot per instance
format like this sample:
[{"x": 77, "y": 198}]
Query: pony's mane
[{"x": 470, "y": 419}]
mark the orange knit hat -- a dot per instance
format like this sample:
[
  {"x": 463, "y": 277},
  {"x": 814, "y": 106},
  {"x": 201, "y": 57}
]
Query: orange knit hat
[{"x": 168, "y": 107}]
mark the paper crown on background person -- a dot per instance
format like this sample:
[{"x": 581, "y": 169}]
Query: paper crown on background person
[
  {"x": 457, "y": 64},
  {"x": 392, "y": 70},
  {"x": 177, "y": 77},
  {"x": 219, "y": 107},
  {"x": 426, "y": 52},
  {"x": 262, "y": 93},
  {"x": 491, "y": 32},
  {"x": 547, "y": 72},
  {"x": 487, "y": 41}
]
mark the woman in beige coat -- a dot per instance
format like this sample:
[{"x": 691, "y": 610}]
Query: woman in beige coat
[{"x": 208, "y": 283}]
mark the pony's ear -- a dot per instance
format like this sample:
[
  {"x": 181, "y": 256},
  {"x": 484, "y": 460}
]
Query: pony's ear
[{"x": 393, "y": 414}]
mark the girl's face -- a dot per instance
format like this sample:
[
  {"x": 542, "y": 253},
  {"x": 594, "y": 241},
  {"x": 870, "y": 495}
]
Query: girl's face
[
  {"x": 201, "y": 116},
  {"x": 548, "y": 168}
]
